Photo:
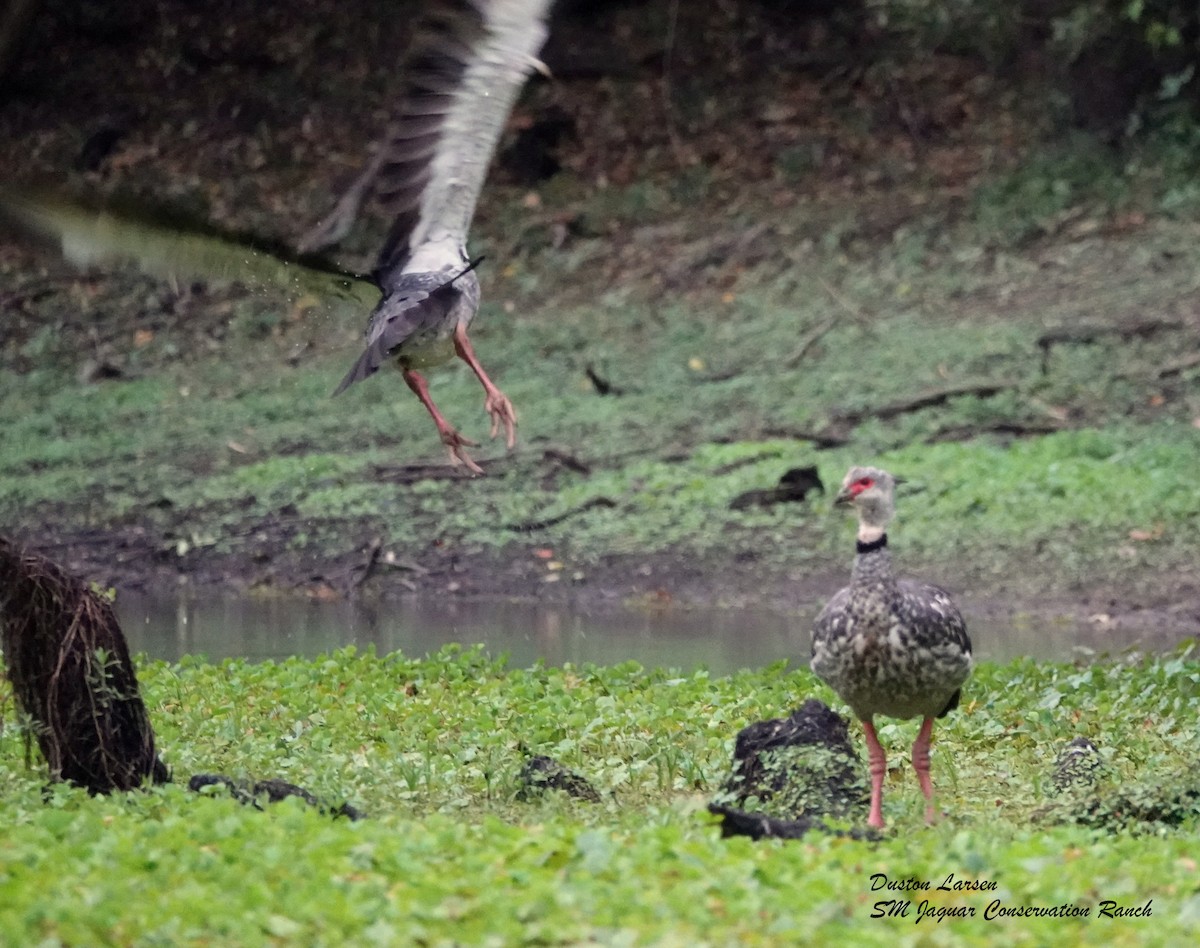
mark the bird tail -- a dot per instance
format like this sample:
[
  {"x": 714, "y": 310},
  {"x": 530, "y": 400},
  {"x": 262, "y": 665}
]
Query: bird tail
[
  {"x": 366, "y": 365},
  {"x": 952, "y": 703},
  {"x": 376, "y": 353}
]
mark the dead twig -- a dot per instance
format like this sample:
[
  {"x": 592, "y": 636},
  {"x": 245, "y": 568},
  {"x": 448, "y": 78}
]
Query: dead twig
[
  {"x": 837, "y": 297},
  {"x": 807, "y": 342}
]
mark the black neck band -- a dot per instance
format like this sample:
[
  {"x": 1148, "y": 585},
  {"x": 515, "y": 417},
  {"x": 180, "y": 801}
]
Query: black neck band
[{"x": 873, "y": 545}]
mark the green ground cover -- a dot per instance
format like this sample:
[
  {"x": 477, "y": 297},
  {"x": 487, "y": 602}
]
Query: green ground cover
[
  {"x": 202, "y": 446},
  {"x": 431, "y": 749}
]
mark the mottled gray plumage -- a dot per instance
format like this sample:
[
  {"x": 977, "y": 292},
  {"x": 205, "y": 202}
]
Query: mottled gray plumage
[
  {"x": 410, "y": 323},
  {"x": 467, "y": 63},
  {"x": 893, "y": 647},
  {"x": 887, "y": 646}
]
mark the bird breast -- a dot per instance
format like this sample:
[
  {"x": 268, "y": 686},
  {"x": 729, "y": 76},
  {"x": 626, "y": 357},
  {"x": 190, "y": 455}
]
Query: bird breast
[{"x": 878, "y": 664}]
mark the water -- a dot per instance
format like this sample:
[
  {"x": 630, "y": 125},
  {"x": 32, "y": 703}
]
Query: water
[{"x": 723, "y": 640}]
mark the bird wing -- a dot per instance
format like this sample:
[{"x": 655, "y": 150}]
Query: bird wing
[
  {"x": 468, "y": 61},
  {"x": 90, "y": 235},
  {"x": 830, "y": 621},
  {"x": 930, "y": 608}
]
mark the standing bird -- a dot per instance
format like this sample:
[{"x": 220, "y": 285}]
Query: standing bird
[
  {"x": 889, "y": 646},
  {"x": 467, "y": 63}
]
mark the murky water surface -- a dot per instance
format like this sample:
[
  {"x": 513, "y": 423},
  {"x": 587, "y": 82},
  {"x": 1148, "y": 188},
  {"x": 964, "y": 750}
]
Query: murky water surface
[{"x": 724, "y": 640}]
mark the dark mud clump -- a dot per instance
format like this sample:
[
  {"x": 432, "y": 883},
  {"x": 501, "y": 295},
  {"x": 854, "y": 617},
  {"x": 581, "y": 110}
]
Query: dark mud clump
[
  {"x": 254, "y": 792},
  {"x": 790, "y": 773},
  {"x": 72, "y": 676},
  {"x": 545, "y": 773}
]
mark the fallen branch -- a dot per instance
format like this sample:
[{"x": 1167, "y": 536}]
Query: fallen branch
[
  {"x": 1067, "y": 335},
  {"x": 1082, "y": 335},
  {"x": 745, "y": 462},
  {"x": 531, "y": 525},
  {"x": 929, "y": 399},
  {"x": 967, "y": 432},
  {"x": 412, "y": 473}
]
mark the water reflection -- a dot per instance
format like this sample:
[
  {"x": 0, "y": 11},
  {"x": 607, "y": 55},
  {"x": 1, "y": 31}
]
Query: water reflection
[{"x": 724, "y": 640}]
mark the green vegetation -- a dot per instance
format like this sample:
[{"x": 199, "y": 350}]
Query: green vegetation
[{"x": 431, "y": 749}]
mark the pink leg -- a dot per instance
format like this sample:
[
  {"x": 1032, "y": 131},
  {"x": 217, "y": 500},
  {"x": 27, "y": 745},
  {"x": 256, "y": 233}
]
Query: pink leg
[
  {"x": 878, "y": 763},
  {"x": 920, "y": 759},
  {"x": 495, "y": 403},
  {"x": 450, "y": 438}
]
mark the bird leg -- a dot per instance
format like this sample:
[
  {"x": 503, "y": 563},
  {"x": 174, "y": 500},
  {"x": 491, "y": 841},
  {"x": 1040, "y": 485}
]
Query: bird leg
[
  {"x": 450, "y": 438},
  {"x": 920, "y": 760},
  {"x": 496, "y": 403},
  {"x": 877, "y": 760}
]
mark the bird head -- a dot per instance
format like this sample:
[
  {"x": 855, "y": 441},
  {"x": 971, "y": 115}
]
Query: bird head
[{"x": 872, "y": 493}]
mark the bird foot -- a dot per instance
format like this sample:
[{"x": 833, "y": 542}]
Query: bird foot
[
  {"x": 457, "y": 445},
  {"x": 501, "y": 410}
]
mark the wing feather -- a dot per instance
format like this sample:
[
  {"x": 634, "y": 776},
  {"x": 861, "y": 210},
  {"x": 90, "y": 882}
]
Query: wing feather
[
  {"x": 467, "y": 65},
  {"x": 90, "y": 235}
]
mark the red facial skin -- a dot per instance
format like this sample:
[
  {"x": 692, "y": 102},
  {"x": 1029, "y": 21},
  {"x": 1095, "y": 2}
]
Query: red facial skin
[{"x": 860, "y": 485}]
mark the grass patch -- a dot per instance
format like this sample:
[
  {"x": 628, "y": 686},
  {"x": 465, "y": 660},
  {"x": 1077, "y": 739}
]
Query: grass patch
[
  {"x": 431, "y": 749},
  {"x": 214, "y": 446}
]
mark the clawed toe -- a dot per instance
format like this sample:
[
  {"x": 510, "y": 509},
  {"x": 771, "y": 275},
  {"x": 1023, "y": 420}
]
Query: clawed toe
[
  {"x": 457, "y": 446},
  {"x": 502, "y": 412}
]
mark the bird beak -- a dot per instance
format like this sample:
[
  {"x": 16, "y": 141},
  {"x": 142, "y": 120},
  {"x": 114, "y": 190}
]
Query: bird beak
[{"x": 843, "y": 499}]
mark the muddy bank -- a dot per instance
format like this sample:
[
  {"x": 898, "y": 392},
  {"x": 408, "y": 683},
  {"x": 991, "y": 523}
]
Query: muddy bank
[{"x": 133, "y": 561}]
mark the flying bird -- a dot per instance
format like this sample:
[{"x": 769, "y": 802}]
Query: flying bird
[
  {"x": 468, "y": 61},
  {"x": 889, "y": 646}
]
